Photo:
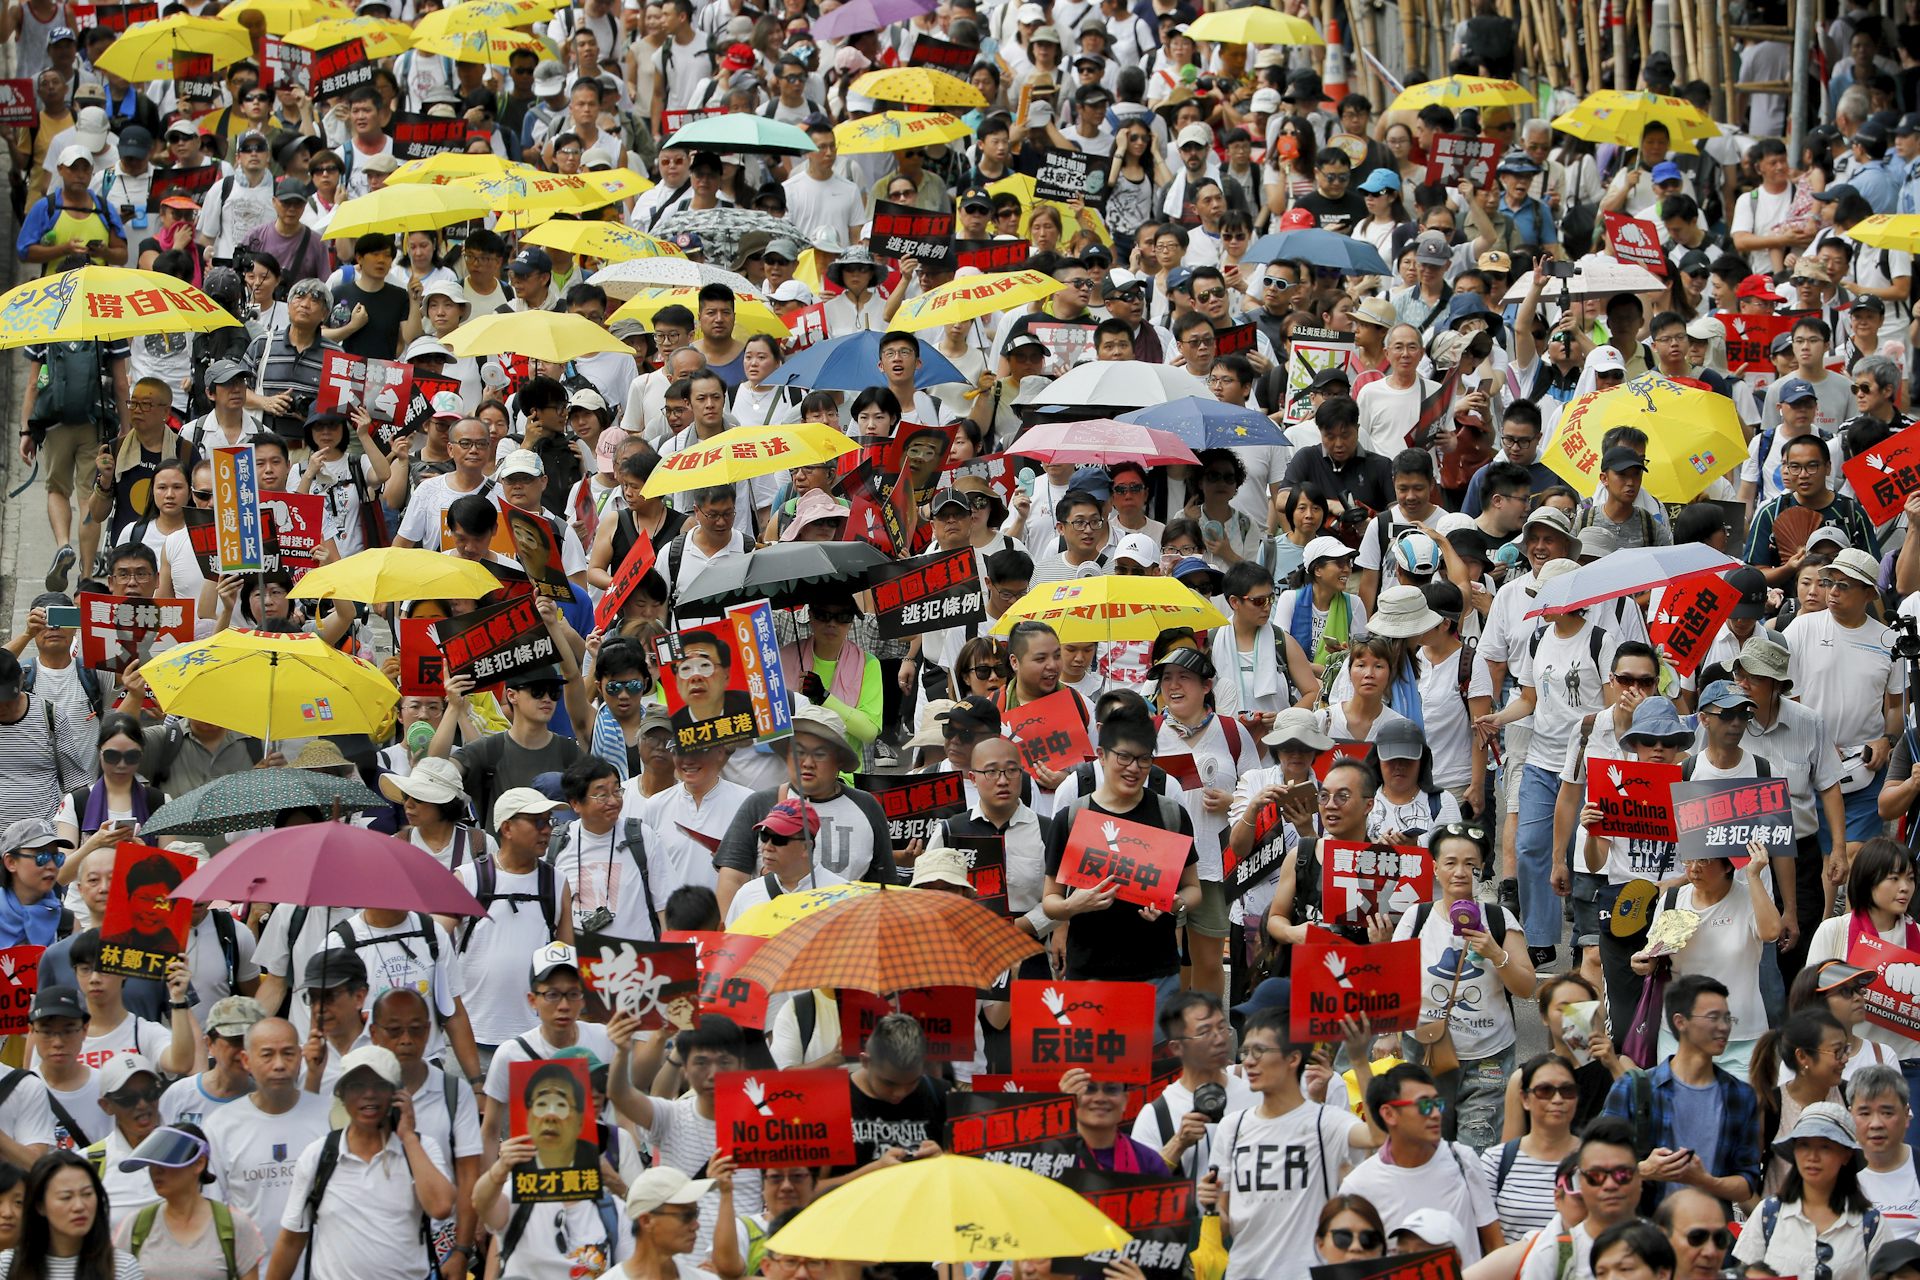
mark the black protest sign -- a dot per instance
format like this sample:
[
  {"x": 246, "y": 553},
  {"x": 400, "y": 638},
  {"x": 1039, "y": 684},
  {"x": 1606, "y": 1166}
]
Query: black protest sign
[
  {"x": 192, "y": 183},
  {"x": 982, "y": 1124},
  {"x": 340, "y": 69},
  {"x": 1434, "y": 1264},
  {"x": 1157, "y": 1211},
  {"x": 1234, "y": 339},
  {"x": 986, "y": 859},
  {"x": 988, "y": 256},
  {"x": 416, "y": 136},
  {"x": 913, "y": 802},
  {"x": 929, "y": 593},
  {"x": 419, "y": 405},
  {"x": 942, "y": 55},
  {"x": 903, "y": 231},
  {"x": 1720, "y": 818},
  {"x": 193, "y": 76},
  {"x": 497, "y": 642},
  {"x": 118, "y": 17},
  {"x": 1067, "y": 175},
  {"x": 1268, "y": 852}
]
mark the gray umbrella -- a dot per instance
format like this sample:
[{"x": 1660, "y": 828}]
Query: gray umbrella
[
  {"x": 720, "y": 229},
  {"x": 254, "y": 798}
]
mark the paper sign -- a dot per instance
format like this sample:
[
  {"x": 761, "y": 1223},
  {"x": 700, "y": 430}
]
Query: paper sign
[
  {"x": 384, "y": 388},
  {"x": 1435, "y": 1264},
  {"x": 1104, "y": 1028},
  {"x": 1143, "y": 862},
  {"x": 1158, "y": 1212},
  {"x": 1305, "y": 360},
  {"x": 17, "y": 104},
  {"x": 632, "y": 569},
  {"x": 193, "y": 76},
  {"x": 417, "y": 137},
  {"x": 913, "y": 802},
  {"x": 423, "y": 668},
  {"x": 1451, "y": 157},
  {"x": 905, "y": 231},
  {"x": 1049, "y": 732},
  {"x": 1720, "y": 818},
  {"x": 986, "y": 859},
  {"x": 117, "y": 630},
  {"x": 1687, "y": 615},
  {"x": 1339, "y": 751},
  {"x": 298, "y": 524},
  {"x": 496, "y": 642},
  {"x": 723, "y": 680},
  {"x": 240, "y": 539},
  {"x": 783, "y": 1119},
  {"x": 881, "y": 512},
  {"x": 1748, "y": 340},
  {"x": 19, "y": 980},
  {"x": 805, "y": 327},
  {"x": 988, "y": 256},
  {"x": 551, "y": 1100},
  {"x": 1636, "y": 798},
  {"x": 946, "y": 1014},
  {"x": 1065, "y": 175},
  {"x": 338, "y": 70},
  {"x": 1335, "y": 980},
  {"x": 671, "y": 121},
  {"x": 193, "y": 183},
  {"x": 928, "y": 593},
  {"x": 1234, "y": 339},
  {"x": 1635, "y": 241},
  {"x": 721, "y": 956},
  {"x": 1263, "y": 859},
  {"x": 1893, "y": 999},
  {"x": 144, "y": 925},
  {"x": 537, "y": 546},
  {"x": 1885, "y": 474},
  {"x": 1068, "y": 341},
  {"x": 655, "y": 981},
  {"x": 990, "y": 1124},
  {"x": 955, "y": 59},
  {"x": 1362, "y": 880},
  {"x": 426, "y": 386},
  {"x": 114, "y": 17},
  {"x": 999, "y": 470}
]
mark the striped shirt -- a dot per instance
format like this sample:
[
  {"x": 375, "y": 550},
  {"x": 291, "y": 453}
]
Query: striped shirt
[
  {"x": 42, "y": 754},
  {"x": 1524, "y": 1200}
]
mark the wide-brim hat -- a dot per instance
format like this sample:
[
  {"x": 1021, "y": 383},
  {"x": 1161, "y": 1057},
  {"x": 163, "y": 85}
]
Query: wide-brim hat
[
  {"x": 1401, "y": 613},
  {"x": 821, "y": 722},
  {"x": 433, "y": 781}
]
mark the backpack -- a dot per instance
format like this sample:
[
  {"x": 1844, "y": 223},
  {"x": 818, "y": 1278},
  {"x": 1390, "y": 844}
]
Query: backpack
[
  {"x": 523, "y": 1213},
  {"x": 633, "y": 839},
  {"x": 486, "y": 888},
  {"x": 1596, "y": 638},
  {"x": 322, "y": 1175},
  {"x": 1770, "y": 1218},
  {"x": 89, "y": 678},
  {"x": 72, "y": 387},
  {"x": 343, "y": 932},
  {"x": 1647, "y": 524},
  {"x": 222, "y": 1226},
  {"x": 1229, "y": 728}
]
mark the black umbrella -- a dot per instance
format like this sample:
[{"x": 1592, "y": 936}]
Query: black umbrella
[{"x": 787, "y": 573}]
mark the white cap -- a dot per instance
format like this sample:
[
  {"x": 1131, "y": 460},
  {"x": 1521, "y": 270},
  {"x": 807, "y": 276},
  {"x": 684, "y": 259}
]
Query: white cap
[
  {"x": 426, "y": 345},
  {"x": 585, "y": 398},
  {"x": 73, "y": 153},
  {"x": 90, "y": 126},
  {"x": 521, "y": 462},
  {"x": 1706, "y": 329},
  {"x": 596, "y": 156},
  {"x": 446, "y": 404},
  {"x": 1553, "y": 569},
  {"x": 794, "y": 291},
  {"x": 1140, "y": 549},
  {"x": 443, "y": 288},
  {"x": 516, "y": 802},
  {"x": 664, "y": 1185},
  {"x": 1324, "y": 547},
  {"x": 121, "y": 1068},
  {"x": 1606, "y": 360},
  {"x": 1453, "y": 522},
  {"x": 1435, "y": 1226},
  {"x": 375, "y": 1059},
  {"x": 1031, "y": 13},
  {"x": 1195, "y": 132},
  {"x": 1265, "y": 100}
]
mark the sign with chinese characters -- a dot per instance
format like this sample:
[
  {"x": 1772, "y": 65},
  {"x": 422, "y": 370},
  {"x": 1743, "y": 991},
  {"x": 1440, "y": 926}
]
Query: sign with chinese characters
[
  {"x": 423, "y": 668},
  {"x": 988, "y": 256},
  {"x": 1068, "y": 341},
  {"x": 240, "y": 540},
  {"x": 946, "y": 1014},
  {"x": 1000, "y": 470},
  {"x": 1721, "y": 817},
  {"x": 1144, "y": 863},
  {"x": 929, "y": 593},
  {"x": 338, "y": 70},
  {"x": 1104, "y": 1028},
  {"x": 1263, "y": 859},
  {"x": 955, "y": 59},
  {"x": 417, "y": 137},
  {"x": 551, "y": 1101},
  {"x": 114, "y": 17},
  {"x": 913, "y": 802},
  {"x": 19, "y": 980},
  {"x": 382, "y": 387},
  {"x": 1362, "y": 880},
  {"x": 778, "y": 1119},
  {"x": 1451, "y": 157},
  {"x": 1885, "y": 474},
  {"x": 1049, "y": 731},
  {"x": 1310, "y": 352},
  {"x": 1341, "y": 750},
  {"x": 905, "y": 231},
  {"x": 1893, "y": 998},
  {"x": 805, "y": 327},
  {"x": 991, "y": 1124},
  {"x": 721, "y": 956},
  {"x": 1635, "y": 241},
  {"x": 117, "y": 630},
  {"x": 537, "y": 546},
  {"x": 656, "y": 982},
  {"x": 17, "y": 104},
  {"x": 1749, "y": 338},
  {"x": 144, "y": 925},
  {"x": 1068, "y": 175},
  {"x": 1159, "y": 1212},
  {"x": 724, "y": 684},
  {"x": 1333, "y": 980},
  {"x": 1436, "y": 1264},
  {"x": 986, "y": 859},
  {"x": 192, "y": 183},
  {"x": 193, "y": 76},
  {"x": 671, "y": 121},
  {"x": 1687, "y": 615},
  {"x": 1636, "y": 799},
  {"x": 494, "y": 643},
  {"x": 297, "y": 525},
  {"x": 639, "y": 559}
]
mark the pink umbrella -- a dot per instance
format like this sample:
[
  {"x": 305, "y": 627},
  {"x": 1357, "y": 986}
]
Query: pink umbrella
[
  {"x": 1104, "y": 442},
  {"x": 330, "y": 864}
]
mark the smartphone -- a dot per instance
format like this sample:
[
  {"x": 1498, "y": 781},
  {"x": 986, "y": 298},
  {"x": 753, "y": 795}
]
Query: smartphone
[
  {"x": 64, "y": 616},
  {"x": 1465, "y": 915}
]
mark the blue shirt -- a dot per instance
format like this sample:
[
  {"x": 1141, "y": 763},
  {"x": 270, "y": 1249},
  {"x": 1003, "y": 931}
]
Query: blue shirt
[
  {"x": 1878, "y": 183},
  {"x": 1735, "y": 1148}
]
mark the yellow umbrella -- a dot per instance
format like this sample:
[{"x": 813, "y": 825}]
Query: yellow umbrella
[
  {"x": 480, "y": 15},
  {"x": 492, "y": 48},
  {"x": 920, "y": 86},
  {"x": 553, "y": 336},
  {"x": 1023, "y": 186},
  {"x": 1620, "y": 117},
  {"x": 619, "y": 183},
  {"x": 383, "y": 38},
  {"x": 743, "y": 453},
  {"x": 521, "y": 191},
  {"x": 278, "y": 17},
  {"x": 607, "y": 241},
  {"x": 105, "y": 302},
  {"x": 1887, "y": 231},
  {"x": 1254, "y": 26},
  {"x": 258, "y": 683},
  {"x": 948, "y": 1209},
  {"x": 750, "y": 315},
  {"x": 382, "y": 575},
  {"x": 148, "y": 50},
  {"x": 973, "y": 297},
  {"x": 1461, "y": 91},
  {"x": 769, "y": 918},
  {"x": 1088, "y": 610},
  {"x": 1693, "y": 436},
  {"x": 402, "y": 209},
  {"x": 439, "y": 170},
  {"x": 897, "y": 131}
]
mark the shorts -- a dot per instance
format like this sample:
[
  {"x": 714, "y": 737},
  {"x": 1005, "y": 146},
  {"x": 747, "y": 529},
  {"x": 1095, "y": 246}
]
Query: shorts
[
  {"x": 64, "y": 451},
  {"x": 1209, "y": 919}
]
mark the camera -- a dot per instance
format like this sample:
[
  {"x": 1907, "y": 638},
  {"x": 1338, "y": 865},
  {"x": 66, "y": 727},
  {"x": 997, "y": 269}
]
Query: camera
[
  {"x": 597, "y": 922},
  {"x": 1562, "y": 270},
  {"x": 1210, "y": 1100},
  {"x": 1906, "y": 638}
]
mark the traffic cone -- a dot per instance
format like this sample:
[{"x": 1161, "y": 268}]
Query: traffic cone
[{"x": 1334, "y": 79}]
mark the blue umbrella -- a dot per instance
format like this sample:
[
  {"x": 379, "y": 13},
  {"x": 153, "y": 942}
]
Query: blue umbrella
[
  {"x": 1209, "y": 424},
  {"x": 851, "y": 362},
  {"x": 1319, "y": 248}
]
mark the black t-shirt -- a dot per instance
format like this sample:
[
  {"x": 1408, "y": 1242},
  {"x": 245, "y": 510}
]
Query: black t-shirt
[
  {"x": 133, "y": 490},
  {"x": 1338, "y": 216},
  {"x": 878, "y": 1126},
  {"x": 1116, "y": 944},
  {"x": 1366, "y": 479},
  {"x": 379, "y": 338}
]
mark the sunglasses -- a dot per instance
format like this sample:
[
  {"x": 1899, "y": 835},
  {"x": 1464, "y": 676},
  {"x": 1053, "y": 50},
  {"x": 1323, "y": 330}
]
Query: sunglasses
[
  {"x": 1468, "y": 830},
  {"x": 110, "y": 756},
  {"x": 43, "y": 857},
  {"x": 133, "y": 1097},
  {"x": 1637, "y": 682},
  {"x": 548, "y": 689},
  {"x": 1347, "y": 1238},
  {"x": 1697, "y": 1237},
  {"x": 1618, "y": 1175},
  {"x": 768, "y": 837},
  {"x": 841, "y": 616},
  {"x": 1548, "y": 1092},
  {"x": 1431, "y": 1105},
  {"x": 626, "y": 686}
]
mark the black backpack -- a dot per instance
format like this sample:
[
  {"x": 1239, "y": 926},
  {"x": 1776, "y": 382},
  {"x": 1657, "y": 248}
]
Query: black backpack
[
  {"x": 486, "y": 888},
  {"x": 322, "y": 1175}
]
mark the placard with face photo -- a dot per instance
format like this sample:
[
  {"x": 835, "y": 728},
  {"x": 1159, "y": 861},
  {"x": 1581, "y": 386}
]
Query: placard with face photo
[
  {"x": 144, "y": 925},
  {"x": 551, "y": 1101}
]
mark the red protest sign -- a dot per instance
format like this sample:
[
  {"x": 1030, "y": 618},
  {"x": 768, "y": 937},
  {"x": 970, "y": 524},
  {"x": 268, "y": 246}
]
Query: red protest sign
[
  {"x": 805, "y": 327},
  {"x": 1144, "y": 862},
  {"x": 423, "y": 668},
  {"x": 777, "y": 1119},
  {"x": 1893, "y": 999},
  {"x": 720, "y": 957},
  {"x": 1104, "y": 1028},
  {"x": 19, "y": 980},
  {"x": 1339, "y": 751},
  {"x": 17, "y": 107},
  {"x": 1049, "y": 731},
  {"x": 1234, "y": 339},
  {"x": 1749, "y": 337},
  {"x": 1000, "y": 470},
  {"x": 1636, "y": 798},
  {"x": 946, "y": 1014},
  {"x": 639, "y": 559},
  {"x": 1182, "y": 766},
  {"x": 1341, "y": 979},
  {"x": 144, "y": 926},
  {"x": 913, "y": 802},
  {"x": 115, "y": 630},
  {"x": 1687, "y": 615},
  {"x": 1362, "y": 880},
  {"x": 551, "y": 1101},
  {"x": 1635, "y": 241},
  {"x": 1884, "y": 475},
  {"x": 981, "y": 1122},
  {"x": 989, "y": 256},
  {"x": 1451, "y": 157},
  {"x": 384, "y": 388},
  {"x": 299, "y": 527},
  {"x": 417, "y": 137}
]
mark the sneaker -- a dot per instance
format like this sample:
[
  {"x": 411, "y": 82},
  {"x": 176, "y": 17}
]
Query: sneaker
[
  {"x": 884, "y": 755},
  {"x": 63, "y": 561},
  {"x": 1542, "y": 957}
]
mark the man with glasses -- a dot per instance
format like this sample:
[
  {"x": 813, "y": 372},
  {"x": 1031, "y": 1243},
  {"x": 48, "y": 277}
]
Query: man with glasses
[
  {"x": 424, "y": 523},
  {"x": 1876, "y": 389},
  {"x": 287, "y": 363},
  {"x": 995, "y": 809},
  {"x": 1811, "y": 340},
  {"x": 1390, "y": 406},
  {"x": 129, "y": 1095},
  {"x": 1081, "y": 518},
  {"x": 1197, "y": 342},
  {"x": 1806, "y": 461},
  {"x": 1195, "y": 1023},
  {"x": 123, "y": 470},
  {"x": 1497, "y": 495},
  {"x": 300, "y": 251},
  {"x": 1416, "y": 1168},
  {"x": 556, "y": 996},
  {"x": 786, "y": 863},
  {"x": 239, "y": 204},
  {"x": 1125, "y": 296},
  {"x": 1333, "y": 201},
  {"x": 525, "y": 910},
  {"x": 1697, "y": 1228},
  {"x": 1610, "y": 1192}
]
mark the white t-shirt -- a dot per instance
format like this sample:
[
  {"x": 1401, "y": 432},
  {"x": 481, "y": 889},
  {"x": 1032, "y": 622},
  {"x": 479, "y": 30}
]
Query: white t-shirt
[
  {"x": 1279, "y": 1173},
  {"x": 1896, "y": 1194},
  {"x": 27, "y": 1116},
  {"x": 1760, "y": 211},
  {"x": 421, "y": 523},
  {"x": 1481, "y": 1019},
  {"x": 254, "y": 1153},
  {"x": 369, "y": 1219},
  {"x": 603, "y": 873},
  {"x": 187, "y": 1101},
  {"x": 1179, "y": 1100},
  {"x": 1387, "y": 413},
  {"x": 83, "y": 1104},
  {"x": 1567, "y": 682},
  {"x": 1450, "y": 1181},
  {"x": 684, "y": 1139},
  {"x": 592, "y": 1044},
  {"x": 754, "y": 892},
  {"x": 813, "y": 203},
  {"x": 1220, "y": 768},
  {"x": 495, "y": 955},
  {"x": 1843, "y": 674},
  {"x": 134, "y": 1035},
  {"x": 1726, "y": 946}
]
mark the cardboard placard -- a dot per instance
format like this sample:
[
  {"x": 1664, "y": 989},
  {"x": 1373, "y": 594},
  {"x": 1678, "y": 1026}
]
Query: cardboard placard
[
  {"x": 805, "y": 327},
  {"x": 1635, "y": 241},
  {"x": 1104, "y": 1028},
  {"x": 496, "y": 642},
  {"x": 240, "y": 539},
  {"x": 989, "y": 256},
  {"x": 946, "y": 1014},
  {"x": 986, "y": 859},
  {"x": 418, "y": 137},
  {"x": 881, "y": 512},
  {"x": 1338, "y": 979},
  {"x": 1636, "y": 798},
  {"x": 985, "y": 1124},
  {"x": 537, "y": 546},
  {"x": 18, "y": 105},
  {"x": 114, "y": 17},
  {"x": 1067, "y": 341},
  {"x": 298, "y": 525},
  {"x": 1000, "y": 470},
  {"x": 1263, "y": 859},
  {"x": 426, "y": 386},
  {"x": 1182, "y": 767},
  {"x": 338, "y": 70},
  {"x": 1720, "y": 818},
  {"x": 723, "y": 681},
  {"x": 1451, "y": 157},
  {"x": 1362, "y": 880},
  {"x": 551, "y": 1099},
  {"x": 1749, "y": 337},
  {"x": 720, "y": 956},
  {"x": 1435, "y": 1264},
  {"x": 193, "y": 183},
  {"x": 906, "y": 231},
  {"x": 657, "y": 982},
  {"x": 1342, "y": 749},
  {"x": 1158, "y": 1212},
  {"x": 117, "y": 630},
  {"x": 423, "y": 668},
  {"x": 1144, "y": 862},
  {"x": 1893, "y": 999},
  {"x": 1884, "y": 475},
  {"x": 382, "y": 387},
  {"x": 1066, "y": 175},
  {"x": 781, "y": 1119},
  {"x": 1234, "y": 339},
  {"x": 913, "y": 802},
  {"x": 193, "y": 76},
  {"x": 1687, "y": 615},
  {"x": 928, "y": 593},
  {"x": 1049, "y": 732},
  {"x": 144, "y": 925},
  {"x": 639, "y": 560},
  {"x": 19, "y": 981},
  {"x": 943, "y": 55}
]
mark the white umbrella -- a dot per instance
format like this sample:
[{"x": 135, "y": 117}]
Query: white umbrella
[
  {"x": 1599, "y": 274},
  {"x": 1128, "y": 384},
  {"x": 624, "y": 280}
]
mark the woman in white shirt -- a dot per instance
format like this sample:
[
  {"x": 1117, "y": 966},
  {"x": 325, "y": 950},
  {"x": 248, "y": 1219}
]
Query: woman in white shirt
[
  {"x": 1818, "y": 1224},
  {"x": 756, "y": 404},
  {"x": 1385, "y": 212},
  {"x": 166, "y": 508}
]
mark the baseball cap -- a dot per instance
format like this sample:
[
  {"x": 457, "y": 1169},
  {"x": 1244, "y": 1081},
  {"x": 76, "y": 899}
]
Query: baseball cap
[
  {"x": 530, "y": 259},
  {"x": 334, "y": 968},
  {"x": 1893, "y": 1257},
  {"x": 1828, "y": 533},
  {"x": 1695, "y": 262},
  {"x": 949, "y": 498},
  {"x": 121, "y": 1069},
  {"x": 57, "y": 1002},
  {"x": 976, "y": 196},
  {"x": 555, "y": 955},
  {"x": 183, "y": 128},
  {"x": 221, "y": 372},
  {"x": 32, "y": 833},
  {"x": 661, "y": 1185},
  {"x": 290, "y": 189},
  {"x": 58, "y": 34},
  {"x": 517, "y": 802},
  {"x": 446, "y": 404},
  {"x": 1023, "y": 342},
  {"x": 234, "y": 1016},
  {"x": 1267, "y": 100},
  {"x": 1179, "y": 278},
  {"x": 1091, "y": 479},
  {"x": 1184, "y": 659},
  {"x": 1752, "y": 586},
  {"x": 1758, "y": 286},
  {"x": 1399, "y": 740},
  {"x": 521, "y": 462},
  {"x": 1621, "y": 458},
  {"x": 370, "y": 1057},
  {"x": 1324, "y": 547},
  {"x": 1431, "y": 250},
  {"x": 1194, "y": 135},
  {"x": 1668, "y": 171},
  {"x": 585, "y": 398},
  {"x": 1140, "y": 549},
  {"x": 1723, "y": 695},
  {"x": 1381, "y": 180},
  {"x": 1796, "y": 390},
  {"x": 1781, "y": 345},
  {"x": 426, "y": 347},
  {"x": 1332, "y": 376},
  {"x": 793, "y": 291},
  {"x": 135, "y": 141},
  {"x": 1656, "y": 720},
  {"x": 790, "y": 818},
  {"x": 1520, "y": 164},
  {"x": 73, "y": 153}
]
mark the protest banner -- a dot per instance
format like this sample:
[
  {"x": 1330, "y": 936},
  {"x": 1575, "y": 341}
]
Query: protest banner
[
  {"x": 296, "y": 525},
  {"x": 1451, "y": 157},
  {"x": 551, "y": 1101},
  {"x": 1068, "y": 341},
  {"x": 777, "y": 1119},
  {"x": 1158, "y": 1211},
  {"x": 192, "y": 183},
  {"x": 1686, "y": 615},
  {"x": 929, "y": 593},
  {"x": 1884, "y": 475},
  {"x": 1264, "y": 858},
  {"x": 1234, "y": 339},
  {"x": 419, "y": 137},
  {"x": 19, "y": 980},
  {"x": 1310, "y": 352},
  {"x": 240, "y": 545},
  {"x": 913, "y": 802},
  {"x": 907, "y": 231},
  {"x": 1162, "y": 1072},
  {"x": 1721, "y": 817},
  {"x": 1143, "y": 862},
  {"x": 338, "y": 70},
  {"x": 144, "y": 925},
  {"x": 1636, "y": 798},
  {"x": 1893, "y": 998},
  {"x": 989, "y": 256},
  {"x": 720, "y": 956},
  {"x": 1635, "y": 241},
  {"x": 384, "y": 388},
  {"x": 632, "y": 569},
  {"x": 723, "y": 681},
  {"x": 671, "y": 121},
  {"x": 1068, "y": 175},
  {"x": 1049, "y": 732},
  {"x": 986, "y": 859},
  {"x": 193, "y": 77},
  {"x": 1361, "y": 880},
  {"x": 943, "y": 55},
  {"x": 423, "y": 668},
  {"x": 113, "y": 17},
  {"x": 536, "y": 545},
  {"x": 1333, "y": 980},
  {"x": 999, "y": 470},
  {"x": 18, "y": 107},
  {"x": 946, "y": 1014},
  {"x": 805, "y": 327},
  {"x": 1433, "y": 1264},
  {"x": 117, "y": 630},
  {"x": 656, "y": 982},
  {"x": 494, "y": 643},
  {"x": 1749, "y": 336},
  {"x": 987, "y": 1124},
  {"x": 419, "y": 412},
  {"x": 1105, "y": 1028},
  {"x": 1341, "y": 750}
]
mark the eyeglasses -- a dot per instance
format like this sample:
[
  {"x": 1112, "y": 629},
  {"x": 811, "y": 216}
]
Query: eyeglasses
[
  {"x": 1636, "y": 682},
  {"x": 812, "y": 755},
  {"x": 1347, "y": 1238},
  {"x": 1804, "y": 468},
  {"x": 560, "y": 997},
  {"x": 1865, "y": 388},
  {"x": 680, "y": 1212},
  {"x": 466, "y": 444},
  {"x": 1128, "y": 760},
  {"x": 323, "y": 168},
  {"x": 1431, "y": 1105},
  {"x": 258, "y": 97},
  {"x": 43, "y": 857},
  {"x": 1738, "y": 715},
  {"x": 1840, "y": 584},
  {"x": 997, "y": 772},
  {"x": 203, "y": 495},
  {"x": 1519, "y": 442},
  {"x": 1570, "y": 1092},
  {"x": 133, "y": 1096},
  {"x": 1718, "y": 1018},
  {"x": 834, "y": 616},
  {"x": 1618, "y": 1175},
  {"x": 1697, "y": 1237},
  {"x": 1197, "y": 340},
  {"x": 1255, "y": 1052},
  {"x": 256, "y": 148},
  {"x": 984, "y": 502},
  {"x": 1086, "y": 525},
  {"x": 615, "y": 687},
  {"x": 109, "y": 755}
]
